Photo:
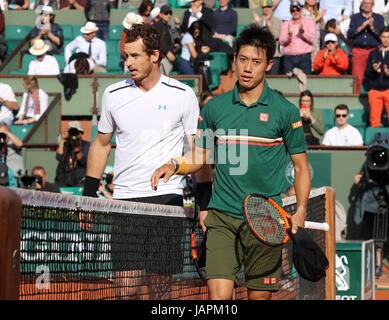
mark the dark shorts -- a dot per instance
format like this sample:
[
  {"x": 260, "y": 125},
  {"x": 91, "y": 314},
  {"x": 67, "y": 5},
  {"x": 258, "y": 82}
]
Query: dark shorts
[
  {"x": 147, "y": 242},
  {"x": 231, "y": 245}
]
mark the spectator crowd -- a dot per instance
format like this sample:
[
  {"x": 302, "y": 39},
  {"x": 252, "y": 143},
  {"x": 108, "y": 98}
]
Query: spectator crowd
[{"x": 322, "y": 37}]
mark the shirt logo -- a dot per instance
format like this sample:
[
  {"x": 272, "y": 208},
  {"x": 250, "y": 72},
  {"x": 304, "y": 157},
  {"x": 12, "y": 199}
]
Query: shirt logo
[
  {"x": 264, "y": 117},
  {"x": 200, "y": 118},
  {"x": 162, "y": 107},
  {"x": 297, "y": 124}
]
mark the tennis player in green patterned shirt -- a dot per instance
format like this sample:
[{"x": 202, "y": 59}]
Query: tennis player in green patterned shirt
[{"x": 252, "y": 132}]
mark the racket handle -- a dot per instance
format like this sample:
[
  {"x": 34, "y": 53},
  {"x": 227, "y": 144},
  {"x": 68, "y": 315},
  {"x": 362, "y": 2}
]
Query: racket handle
[{"x": 323, "y": 226}]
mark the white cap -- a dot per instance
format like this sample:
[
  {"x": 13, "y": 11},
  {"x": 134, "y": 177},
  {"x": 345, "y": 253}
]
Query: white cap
[
  {"x": 89, "y": 27},
  {"x": 155, "y": 12},
  {"x": 75, "y": 124},
  {"x": 130, "y": 19},
  {"x": 38, "y": 48},
  {"x": 47, "y": 10},
  {"x": 330, "y": 37}
]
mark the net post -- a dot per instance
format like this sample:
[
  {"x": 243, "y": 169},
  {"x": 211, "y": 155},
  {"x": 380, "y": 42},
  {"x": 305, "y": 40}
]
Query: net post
[
  {"x": 10, "y": 217},
  {"x": 330, "y": 291}
]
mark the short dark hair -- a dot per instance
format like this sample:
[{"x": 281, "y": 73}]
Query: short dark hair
[
  {"x": 152, "y": 39},
  {"x": 341, "y": 107},
  {"x": 384, "y": 29},
  {"x": 259, "y": 37},
  {"x": 331, "y": 24},
  {"x": 38, "y": 168}
]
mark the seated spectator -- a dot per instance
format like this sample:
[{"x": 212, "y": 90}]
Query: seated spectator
[
  {"x": 274, "y": 24},
  {"x": 15, "y": 159},
  {"x": 41, "y": 181},
  {"x": 51, "y": 33},
  {"x": 18, "y": 5},
  {"x": 297, "y": 37},
  {"x": 164, "y": 28},
  {"x": 193, "y": 54},
  {"x": 72, "y": 155},
  {"x": 155, "y": 15},
  {"x": 8, "y": 103},
  {"x": 80, "y": 63},
  {"x": 331, "y": 60},
  {"x": 34, "y": 102},
  {"x": 91, "y": 45},
  {"x": 313, "y": 119},
  {"x": 44, "y": 64},
  {"x": 364, "y": 30},
  {"x": 46, "y": 3},
  {"x": 193, "y": 48},
  {"x": 225, "y": 23},
  {"x": 72, "y": 4},
  {"x": 343, "y": 134},
  {"x": 377, "y": 74},
  {"x": 144, "y": 10}
]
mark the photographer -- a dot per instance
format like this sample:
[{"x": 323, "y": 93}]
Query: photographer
[
  {"x": 40, "y": 183},
  {"x": 14, "y": 150},
  {"x": 72, "y": 154},
  {"x": 7, "y": 177}
]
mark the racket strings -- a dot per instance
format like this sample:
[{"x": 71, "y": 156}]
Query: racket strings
[{"x": 266, "y": 220}]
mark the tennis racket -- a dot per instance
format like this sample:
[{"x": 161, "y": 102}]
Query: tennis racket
[
  {"x": 198, "y": 239},
  {"x": 269, "y": 222}
]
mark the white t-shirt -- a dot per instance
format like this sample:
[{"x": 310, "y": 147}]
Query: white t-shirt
[
  {"x": 7, "y": 94},
  {"x": 47, "y": 67},
  {"x": 348, "y": 136},
  {"x": 150, "y": 130}
]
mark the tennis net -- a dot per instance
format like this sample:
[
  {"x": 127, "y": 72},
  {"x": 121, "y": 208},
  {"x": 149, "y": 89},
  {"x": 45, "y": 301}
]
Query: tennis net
[{"x": 80, "y": 248}]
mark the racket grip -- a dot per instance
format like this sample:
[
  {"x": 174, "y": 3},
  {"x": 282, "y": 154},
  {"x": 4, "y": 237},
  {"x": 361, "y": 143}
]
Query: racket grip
[{"x": 323, "y": 226}]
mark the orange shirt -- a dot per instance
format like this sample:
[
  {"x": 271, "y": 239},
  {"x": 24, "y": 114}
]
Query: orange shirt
[{"x": 331, "y": 66}]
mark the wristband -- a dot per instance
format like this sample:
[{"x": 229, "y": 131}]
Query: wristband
[
  {"x": 183, "y": 165},
  {"x": 91, "y": 185},
  {"x": 203, "y": 194}
]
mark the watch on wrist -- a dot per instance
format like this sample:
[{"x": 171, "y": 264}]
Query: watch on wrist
[{"x": 176, "y": 164}]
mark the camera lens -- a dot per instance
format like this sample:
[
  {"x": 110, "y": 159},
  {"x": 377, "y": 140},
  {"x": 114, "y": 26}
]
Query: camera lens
[{"x": 379, "y": 158}]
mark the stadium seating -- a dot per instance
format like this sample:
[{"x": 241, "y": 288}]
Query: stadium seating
[
  {"x": 218, "y": 61},
  {"x": 15, "y": 34},
  {"x": 21, "y": 130},
  {"x": 370, "y": 132},
  {"x": 67, "y": 32},
  {"x": 328, "y": 118},
  {"x": 115, "y": 32},
  {"x": 76, "y": 31}
]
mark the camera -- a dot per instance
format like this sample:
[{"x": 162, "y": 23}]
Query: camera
[
  {"x": 29, "y": 182},
  {"x": 3, "y": 139},
  {"x": 377, "y": 161},
  {"x": 73, "y": 135}
]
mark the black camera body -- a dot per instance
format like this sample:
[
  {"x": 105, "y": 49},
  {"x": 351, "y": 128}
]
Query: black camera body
[
  {"x": 29, "y": 182},
  {"x": 377, "y": 162},
  {"x": 73, "y": 135}
]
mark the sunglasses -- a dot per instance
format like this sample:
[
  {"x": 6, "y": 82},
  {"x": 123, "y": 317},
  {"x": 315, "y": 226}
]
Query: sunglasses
[
  {"x": 341, "y": 115},
  {"x": 295, "y": 10},
  {"x": 170, "y": 12},
  {"x": 330, "y": 41}
]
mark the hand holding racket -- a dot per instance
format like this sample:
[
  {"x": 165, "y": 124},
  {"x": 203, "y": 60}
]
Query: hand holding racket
[{"x": 269, "y": 222}]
